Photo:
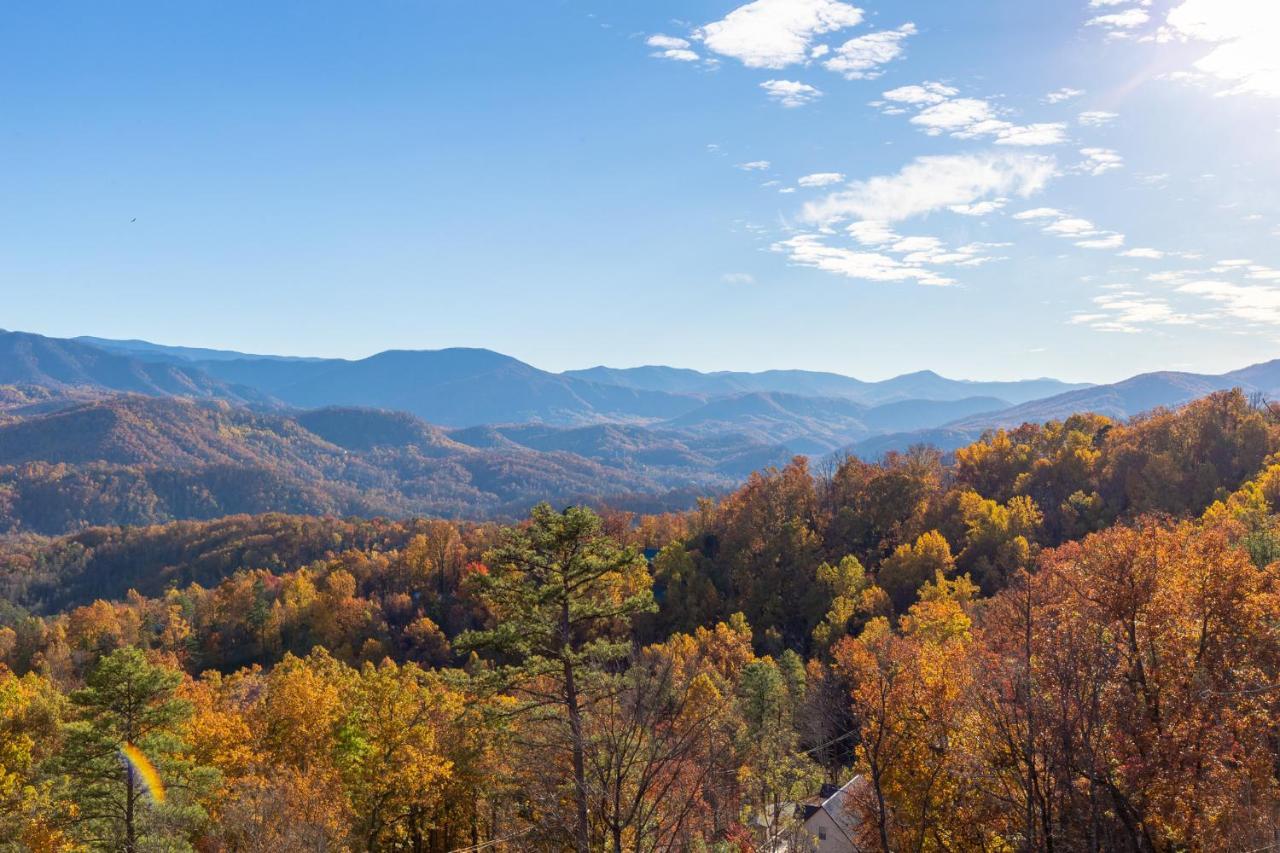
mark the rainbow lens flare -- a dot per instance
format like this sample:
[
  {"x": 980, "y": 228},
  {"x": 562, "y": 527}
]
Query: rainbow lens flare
[{"x": 145, "y": 771}]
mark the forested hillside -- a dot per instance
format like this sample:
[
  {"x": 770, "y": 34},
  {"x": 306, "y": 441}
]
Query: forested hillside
[
  {"x": 1062, "y": 639},
  {"x": 138, "y": 460}
]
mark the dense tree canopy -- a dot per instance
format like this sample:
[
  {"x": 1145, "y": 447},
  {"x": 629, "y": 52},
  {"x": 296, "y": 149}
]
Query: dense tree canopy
[{"x": 1065, "y": 638}]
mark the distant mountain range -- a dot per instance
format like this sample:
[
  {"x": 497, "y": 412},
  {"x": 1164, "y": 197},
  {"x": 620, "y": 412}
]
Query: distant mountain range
[
  {"x": 923, "y": 385},
  {"x": 1119, "y": 400},
  {"x": 181, "y": 432},
  {"x": 78, "y": 368},
  {"x": 436, "y": 366},
  {"x": 470, "y": 387}
]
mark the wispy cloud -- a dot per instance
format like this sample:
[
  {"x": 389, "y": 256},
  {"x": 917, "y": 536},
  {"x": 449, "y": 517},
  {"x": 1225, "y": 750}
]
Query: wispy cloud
[
  {"x": 1064, "y": 94},
  {"x": 1120, "y": 24},
  {"x": 791, "y": 93},
  {"x": 1254, "y": 303},
  {"x": 1096, "y": 118},
  {"x": 1081, "y": 231},
  {"x": 812, "y": 250},
  {"x": 894, "y": 258},
  {"x": 821, "y": 179},
  {"x": 933, "y": 183},
  {"x": 1130, "y": 311},
  {"x": 861, "y": 58},
  {"x": 979, "y": 208},
  {"x": 670, "y": 47},
  {"x": 1100, "y": 160},
  {"x": 967, "y": 118},
  {"x": 921, "y": 94}
]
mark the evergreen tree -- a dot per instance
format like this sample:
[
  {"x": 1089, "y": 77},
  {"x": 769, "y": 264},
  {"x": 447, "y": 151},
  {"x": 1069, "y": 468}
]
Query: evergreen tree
[
  {"x": 127, "y": 701},
  {"x": 562, "y": 595}
]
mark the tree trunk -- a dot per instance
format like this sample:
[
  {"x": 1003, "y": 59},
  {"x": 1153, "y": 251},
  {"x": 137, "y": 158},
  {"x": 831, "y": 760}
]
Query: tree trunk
[
  {"x": 130, "y": 831},
  {"x": 582, "y": 835},
  {"x": 882, "y": 818}
]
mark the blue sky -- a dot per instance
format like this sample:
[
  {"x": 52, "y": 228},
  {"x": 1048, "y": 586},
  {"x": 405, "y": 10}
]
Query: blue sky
[{"x": 987, "y": 188}]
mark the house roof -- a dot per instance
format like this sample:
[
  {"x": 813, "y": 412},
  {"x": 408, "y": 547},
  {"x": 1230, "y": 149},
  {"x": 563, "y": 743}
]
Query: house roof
[{"x": 838, "y": 806}]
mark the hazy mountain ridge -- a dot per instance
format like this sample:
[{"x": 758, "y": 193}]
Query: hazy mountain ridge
[
  {"x": 69, "y": 366},
  {"x": 672, "y": 413},
  {"x": 1134, "y": 395},
  {"x": 460, "y": 387},
  {"x": 922, "y": 385},
  {"x": 1117, "y": 400},
  {"x": 295, "y": 379}
]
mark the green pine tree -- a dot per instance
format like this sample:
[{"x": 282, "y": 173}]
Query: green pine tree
[
  {"x": 127, "y": 700},
  {"x": 563, "y": 595}
]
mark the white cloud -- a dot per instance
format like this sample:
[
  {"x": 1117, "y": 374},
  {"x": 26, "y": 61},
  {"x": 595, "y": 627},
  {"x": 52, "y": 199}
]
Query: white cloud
[
  {"x": 678, "y": 54},
  {"x": 1149, "y": 254},
  {"x": 1039, "y": 213},
  {"x": 980, "y": 208},
  {"x": 1100, "y": 160},
  {"x": 810, "y": 250},
  {"x": 1127, "y": 311},
  {"x": 821, "y": 179},
  {"x": 896, "y": 258},
  {"x": 934, "y": 183},
  {"x": 1254, "y": 303},
  {"x": 1245, "y": 34},
  {"x": 1084, "y": 233},
  {"x": 1044, "y": 133},
  {"x": 917, "y": 244},
  {"x": 776, "y": 33},
  {"x": 1096, "y": 118},
  {"x": 860, "y": 58},
  {"x": 738, "y": 278},
  {"x": 1104, "y": 240},
  {"x": 871, "y": 232},
  {"x": 1064, "y": 94},
  {"x": 953, "y": 115},
  {"x": 666, "y": 42},
  {"x": 924, "y": 93},
  {"x": 1172, "y": 276},
  {"x": 755, "y": 166},
  {"x": 973, "y": 118},
  {"x": 1119, "y": 23},
  {"x": 791, "y": 93},
  {"x": 1070, "y": 227},
  {"x": 670, "y": 47}
]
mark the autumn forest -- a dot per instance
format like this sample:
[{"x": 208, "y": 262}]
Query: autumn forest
[
  {"x": 679, "y": 426},
  {"x": 1059, "y": 637}
]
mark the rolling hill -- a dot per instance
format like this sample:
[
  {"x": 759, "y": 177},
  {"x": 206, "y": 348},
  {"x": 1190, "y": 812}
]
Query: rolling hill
[{"x": 132, "y": 459}]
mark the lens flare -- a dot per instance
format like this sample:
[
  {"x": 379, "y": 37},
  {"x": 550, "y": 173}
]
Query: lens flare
[{"x": 145, "y": 770}]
